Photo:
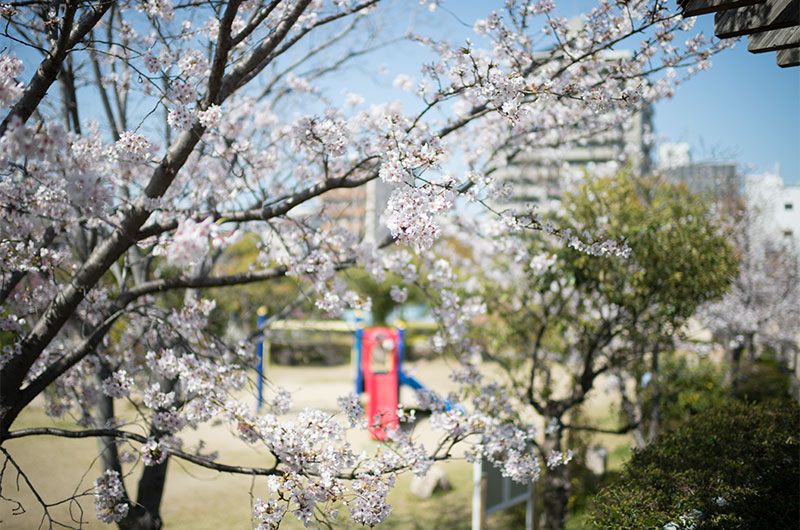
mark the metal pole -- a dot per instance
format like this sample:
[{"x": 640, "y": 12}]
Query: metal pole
[
  {"x": 261, "y": 318},
  {"x": 478, "y": 495},
  {"x": 401, "y": 343},
  {"x": 359, "y": 336},
  {"x": 400, "y": 326},
  {"x": 529, "y": 510}
]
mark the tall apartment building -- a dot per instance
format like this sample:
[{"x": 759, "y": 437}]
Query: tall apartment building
[
  {"x": 359, "y": 209},
  {"x": 542, "y": 176}
]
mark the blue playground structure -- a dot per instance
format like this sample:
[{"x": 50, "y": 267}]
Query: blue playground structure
[{"x": 378, "y": 355}]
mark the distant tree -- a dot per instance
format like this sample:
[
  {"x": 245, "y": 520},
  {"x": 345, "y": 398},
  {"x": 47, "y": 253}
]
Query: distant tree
[
  {"x": 559, "y": 318},
  {"x": 761, "y": 312}
]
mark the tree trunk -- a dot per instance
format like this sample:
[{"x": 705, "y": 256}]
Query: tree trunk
[
  {"x": 555, "y": 485},
  {"x": 109, "y": 456},
  {"x": 736, "y": 361},
  {"x": 655, "y": 413},
  {"x": 750, "y": 347},
  {"x": 145, "y": 514}
]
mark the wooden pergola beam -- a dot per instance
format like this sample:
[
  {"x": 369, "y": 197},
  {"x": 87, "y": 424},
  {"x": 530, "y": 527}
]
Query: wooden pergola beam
[
  {"x": 788, "y": 58},
  {"x": 774, "y": 14},
  {"x": 773, "y": 40},
  {"x": 691, "y": 8}
]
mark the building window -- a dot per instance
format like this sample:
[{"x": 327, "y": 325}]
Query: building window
[
  {"x": 788, "y": 206},
  {"x": 787, "y": 233}
]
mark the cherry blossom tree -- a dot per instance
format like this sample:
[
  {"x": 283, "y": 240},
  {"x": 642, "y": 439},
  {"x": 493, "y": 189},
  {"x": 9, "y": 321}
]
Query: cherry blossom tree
[
  {"x": 761, "y": 311},
  {"x": 143, "y": 138}
]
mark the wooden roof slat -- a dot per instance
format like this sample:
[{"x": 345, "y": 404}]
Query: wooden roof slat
[
  {"x": 692, "y": 8},
  {"x": 773, "y": 40},
  {"x": 790, "y": 57},
  {"x": 774, "y": 14}
]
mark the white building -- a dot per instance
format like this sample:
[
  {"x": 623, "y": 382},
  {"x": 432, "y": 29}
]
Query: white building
[
  {"x": 671, "y": 155},
  {"x": 777, "y": 204}
]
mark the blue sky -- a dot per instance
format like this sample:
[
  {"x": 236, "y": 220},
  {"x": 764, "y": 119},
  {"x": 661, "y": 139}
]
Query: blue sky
[{"x": 744, "y": 109}]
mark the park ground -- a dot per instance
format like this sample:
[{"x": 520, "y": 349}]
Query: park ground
[{"x": 198, "y": 498}]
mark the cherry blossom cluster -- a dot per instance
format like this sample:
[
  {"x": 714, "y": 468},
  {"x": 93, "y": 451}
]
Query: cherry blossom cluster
[
  {"x": 369, "y": 507},
  {"x": 557, "y": 458},
  {"x": 24, "y": 142},
  {"x": 152, "y": 453},
  {"x": 134, "y": 147},
  {"x": 411, "y": 214},
  {"x": 181, "y": 117},
  {"x": 109, "y": 497},
  {"x": 117, "y": 385},
  {"x": 268, "y": 515},
  {"x": 352, "y": 409},
  {"x": 762, "y": 306},
  {"x": 192, "y": 241},
  {"x": 328, "y": 135},
  {"x": 10, "y": 88}
]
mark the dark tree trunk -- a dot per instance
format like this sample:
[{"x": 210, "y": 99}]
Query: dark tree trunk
[
  {"x": 109, "y": 456},
  {"x": 750, "y": 346},
  {"x": 736, "y": 366},
  {"x": 555, "y": 485},
  {"x": 144, "y": 514},
  {"x": 655, "y": 413}
]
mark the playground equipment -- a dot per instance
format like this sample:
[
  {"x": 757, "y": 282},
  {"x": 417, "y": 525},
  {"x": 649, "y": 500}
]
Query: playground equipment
[
  {"x": 380, "y": 355},
  {"x": 378, "y": 358},
  {"x": 261, "y": 319}
]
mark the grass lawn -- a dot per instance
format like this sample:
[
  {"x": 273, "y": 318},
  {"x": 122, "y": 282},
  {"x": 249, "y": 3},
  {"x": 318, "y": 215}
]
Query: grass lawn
[
  {"x": 194, "y": 497},
  {"x": 198, "y": 498}
]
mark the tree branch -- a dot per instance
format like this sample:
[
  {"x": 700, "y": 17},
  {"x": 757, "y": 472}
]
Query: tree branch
[
  {"x": 224, "y": 45},
  {"x": 55, "y": 369},
  {"x": 254, "y": 22},
  {"x": 268, "y": 212},
  {"x": 125, "y": 435},
  {"x": 622, "y": 430},
  {"x": 48, "y": 69},
  {"x": 260, "y": 57},
  {"x": 166, "y": 284}
]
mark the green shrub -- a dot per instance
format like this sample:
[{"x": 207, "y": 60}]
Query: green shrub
[
  {"x": 763, "y": 379},
  {"x": 735, "y": 466}
]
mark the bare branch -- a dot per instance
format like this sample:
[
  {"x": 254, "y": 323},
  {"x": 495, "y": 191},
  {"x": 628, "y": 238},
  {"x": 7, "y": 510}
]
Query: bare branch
[
  {"x": 622, "y": 430},
  {"x": 167, "y": 284},
  {"x": 49, "y": 68},
  {"x": 124, "y": 435}
]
